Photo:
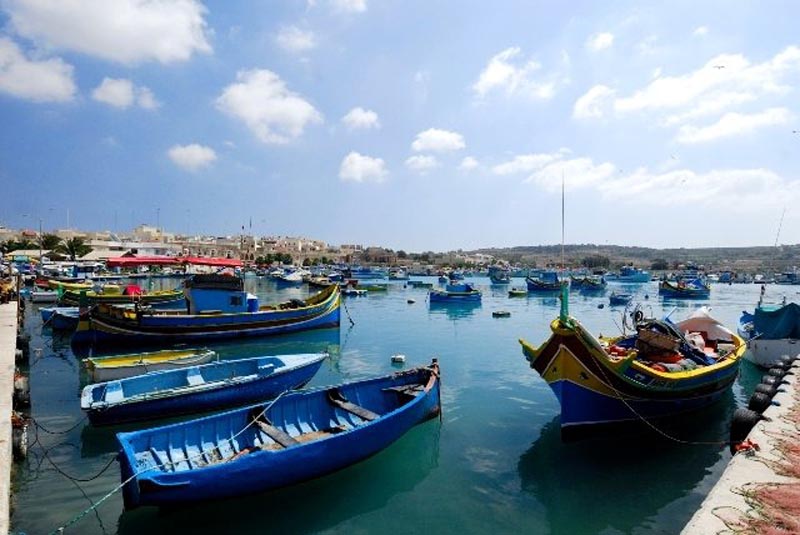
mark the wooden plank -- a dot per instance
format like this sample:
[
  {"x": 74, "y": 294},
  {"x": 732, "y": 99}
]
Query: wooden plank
[
  {"x": 336, "y": 398},
  {"x": 279, "y": 436}
]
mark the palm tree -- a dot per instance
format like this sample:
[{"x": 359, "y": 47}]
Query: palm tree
[
  {"x": 49, "y": 241},
  {"x": 74, "y": 248}
]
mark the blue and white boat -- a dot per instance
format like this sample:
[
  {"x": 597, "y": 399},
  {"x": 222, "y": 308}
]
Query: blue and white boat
[
  {"x": 630, "y": 274},
  {"x": 499, "y": 275},
  {"x": 198, "y": 388},
  {"x": 455, "y": 292},
  {"x": 300, "y": 436},
  {"x": 771, "y": 332},
  {"x": 60, "y": 318},
  {"x": 544, "y": 282},
  {"x": 619, "y": 299},
  {"x": 684, "y": 289}
]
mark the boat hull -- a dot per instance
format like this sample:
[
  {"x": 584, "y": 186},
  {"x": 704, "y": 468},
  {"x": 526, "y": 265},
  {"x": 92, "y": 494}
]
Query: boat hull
[
  {"x": 73, "y": 298},
  {"x": 262, "y": 468},
  {"x": 130, "y": 365},
  {"x": 765, "y": 353},
  {"x": 222, "y": 394}
]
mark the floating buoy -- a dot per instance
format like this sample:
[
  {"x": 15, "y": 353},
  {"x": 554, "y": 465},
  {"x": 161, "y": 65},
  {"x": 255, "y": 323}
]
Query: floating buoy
[
  {"x": 601, "y": 305},
  {"x": 410, "y": 301},
  {"x": 501, "y": 314},
  {"x": 398, "y": 359},
  {"x": 646, "y": 296}
]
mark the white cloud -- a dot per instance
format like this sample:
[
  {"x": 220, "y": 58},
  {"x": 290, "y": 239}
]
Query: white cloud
[
  {"x": 422, "y": 164},
  {"x": 700, "y": 31},
  {"x": 126, "y": 31},
  {"x": 356, "y": 167},
  {"x": 122, "y": 93},
  {"x": 436, "y": 140},
  {"x": 594, "y": 103},
  {"x": 350, "y": 6},
  {"x": 360, "y": 118},
  {"x": 262, "y": 101},
  {"x": 192, "y": 157},
  {"x": 46, "y": 80},
  {"x": 577, "y": 173},
  {"x": 732, "y": 124},
  {"x": 468, "y": 164},
  {"x": 600, "y": 41},
  {"x": 525, "y": 163},
  {"x": 295, "y": 40},
  {"x": 505, "y": 72}
]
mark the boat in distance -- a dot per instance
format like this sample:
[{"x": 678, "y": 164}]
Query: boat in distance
[
  {"x": 218, "y": 308},
  {"x": 455, "y": 292},
  {"x": 662, "y": 369},
  {"x": 771, "y": 331},
  {"x": 299, "y": 436},
  {"x": 120, "y": 366},
  {"x": 197, "y": 388}
]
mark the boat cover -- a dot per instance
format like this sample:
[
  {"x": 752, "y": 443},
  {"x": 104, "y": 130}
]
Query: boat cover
[{"x": 778, "y": 323}]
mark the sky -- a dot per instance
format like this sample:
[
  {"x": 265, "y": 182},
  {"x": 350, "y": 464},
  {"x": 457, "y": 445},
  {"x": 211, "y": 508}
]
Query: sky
[{"x": 416, "y": 125}]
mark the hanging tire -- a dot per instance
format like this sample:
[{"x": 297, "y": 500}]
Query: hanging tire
[
  {"x": 759, "y": 402},
  {"x": 769, "y": 390},
  {"x": 771, "y": 380},
  {"x": 742, "y": 423},
  {"x": 787, "y": 359},
  {"x": 776, "y": 372}
]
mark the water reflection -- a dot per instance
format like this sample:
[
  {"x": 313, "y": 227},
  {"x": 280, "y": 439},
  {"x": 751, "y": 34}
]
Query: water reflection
[
  {"x": 455, "y": 310},
  {"x": 631, "y": 467},
  {"x": 347, "y": 494}
]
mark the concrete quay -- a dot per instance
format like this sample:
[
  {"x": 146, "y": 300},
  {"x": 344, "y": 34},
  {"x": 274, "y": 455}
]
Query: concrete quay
[
  {"x": 8, "y": 345},
  {"x": 751, "y": 494}
]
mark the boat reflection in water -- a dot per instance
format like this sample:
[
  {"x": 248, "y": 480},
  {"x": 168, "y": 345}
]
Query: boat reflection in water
[
  {"x": 455, "y": 310},
  {"x": 633, "y": 464},
  {"x": 349, "y": 493}
]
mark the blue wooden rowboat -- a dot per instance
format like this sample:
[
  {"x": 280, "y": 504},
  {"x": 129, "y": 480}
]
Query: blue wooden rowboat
[
  {"x": 455, "y": 292},
  {"x": 693, "y": 289},
  {"x": 218, "y": 308},
  {"x": 198, "y": 388},
  {"x": 545, "y": 282},
  {"x": 60, "y": 318},
  {"x": 300, "y": 436},
  {"x": 619, "y": 299}
]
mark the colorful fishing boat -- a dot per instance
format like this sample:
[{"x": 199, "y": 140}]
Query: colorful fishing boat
[
  {"x": 353, "y": 291},
  {"x": 120, "y": 366},
  {"x": 619, "y": 299},
  {"x": 518, "y": 292},
  {"x": 300, "y": 436},
  {"x": 74, "y": 286},
  {"x": 455, "y": 292},
  {"x": 684, "y": 289},
  {"x": 43, "y": 296},
  {"x": 544, "y": 282},
  {"x": 420, "y": 284},
  {"x": 198, "y": 388},
  {"x": 589, "y": 283},
  {"x": 398, "y": 274},
  {"x": 661, "y": 370},
  {"x": 113, "y": 294},
  {"x": 218, "y": 308},
  {"x": 630, "y": 275},
  {"x": 771, "y": 331},
  {"x": 372, "y": 287},
  {"x": 64, "y": 318},
  {"x": 499, "y": 275},
  {"x": 294, "y": 278}
]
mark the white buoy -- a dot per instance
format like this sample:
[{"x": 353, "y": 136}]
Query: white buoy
[{"x": 399, "y": 359}]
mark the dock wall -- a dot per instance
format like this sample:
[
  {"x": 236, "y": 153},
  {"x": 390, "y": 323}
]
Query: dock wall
[
  {"x": 752, "y": 492},
  {"x": 8, "y": 345}
]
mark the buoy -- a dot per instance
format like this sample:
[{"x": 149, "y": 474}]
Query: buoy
[
  {"x": 742, "y": 423},
  {"x": 501, "y": 314},
  {"x": 410, "y": 301},
  {"x": 769, "y": 390},
  {"x": 759, "y": 402},
  {"x": 601, "y": 305},
  {"x": 646, "y": 296},
  {"x": 398, "y": 359}
]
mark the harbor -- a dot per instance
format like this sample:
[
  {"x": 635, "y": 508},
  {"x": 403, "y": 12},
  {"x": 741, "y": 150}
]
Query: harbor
[{"x": 498, "y": 441}]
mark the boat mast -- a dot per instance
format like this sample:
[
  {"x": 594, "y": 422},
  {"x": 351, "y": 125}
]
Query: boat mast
[{"x": 564, "y": 313}]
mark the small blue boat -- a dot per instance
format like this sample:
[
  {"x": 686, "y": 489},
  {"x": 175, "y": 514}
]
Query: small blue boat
[
  {"x": 619, "y": 299},
  {"x": 196, "y": 389},
  {"x": 60, "y": 318},
  {"x": 455, "y": 292},
  {"x": 499, "y": 275},
  {"x": 544, "y": 282},
  {"x": 300, "y": 436},
  {"x": 683, "y": 289},
  {"x": 631, "y": 275},
  {"x": 587, "y": 284}
]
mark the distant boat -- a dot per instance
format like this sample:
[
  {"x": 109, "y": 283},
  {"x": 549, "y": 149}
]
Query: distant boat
[
  {"x": 43, "y": 296},
  {"x": 499, "y": 275},
  {"x": 353, "y": 291},
  {"x": 544, "y": 282},
  {"x": 300, "y": 436},
  {"x": 619, "y": 299},
  {"x": 630, "y": 274},
  {"x": 113, "y": 294},
  {"x": 294, "y": 278},
  {"x": 373, "y": 287},
  {"x": 771, "y": 331},
  {"x": 198, "y": 388},
  {"x": 398, "y": 274},
  {"x": 420, "y": 284},
  {"x": 663, "y": 369},
  {"x": 120, "y": 366},
  {"x": 592, "y": 283},
  {"x": 455, "y": 292},
  {"x": 691, "y": 289},
  {"x": 518, "y": 292}
]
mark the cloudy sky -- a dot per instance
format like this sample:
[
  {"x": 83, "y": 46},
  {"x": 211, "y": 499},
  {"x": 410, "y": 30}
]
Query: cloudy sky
[{"x": 411, "y": 124}]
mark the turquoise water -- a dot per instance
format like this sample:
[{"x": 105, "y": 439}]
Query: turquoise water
[{"x": 495, "y": 463}]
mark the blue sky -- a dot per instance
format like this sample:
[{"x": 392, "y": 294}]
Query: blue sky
[{"x": 411, "y": 124}]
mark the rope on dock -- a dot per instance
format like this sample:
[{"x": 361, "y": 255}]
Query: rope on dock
[{"x": 50, "y": 432}]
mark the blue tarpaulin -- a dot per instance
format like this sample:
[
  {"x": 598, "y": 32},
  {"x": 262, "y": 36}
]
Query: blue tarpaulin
[{"x": 776, "y": 323}]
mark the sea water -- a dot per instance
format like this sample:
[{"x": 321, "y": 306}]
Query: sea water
[{"x": 494, "y": 463}]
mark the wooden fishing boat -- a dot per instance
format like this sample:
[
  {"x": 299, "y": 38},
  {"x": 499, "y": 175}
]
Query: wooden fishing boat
[
  {"x": 499, "y": 275},
  {"x": 218, "y": 308},
  {"x": 518, "y": 292},
  {"x": 120, "y": 366},
  {"x": 353, "y": 291},
  {"x": 693, "y": 289},
  {"x": 43, "y": 296},
  {"x": 198, "y": 388},
  {"x": 630, "y": 275},
  {"x": 619, "y": 299},
  {"x": 300, "y": 436},
  {"x": 661, "y": 370},
  {"x": 545, "y": 282},
  {"x": 291, "y": 279},
  {"x": 455, "y": 292},
  {"x": 74, "y": 286},
  {"x": 588, "y": 283},
  {"x": 420, "y": 284},
  {"x": 113, "y": 294}
]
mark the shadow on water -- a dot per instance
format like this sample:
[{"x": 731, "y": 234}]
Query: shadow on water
[
  {"x": 337, "y": 498},
  {"x": 455, "y": 311},
  {"x": 635, "y": 471}
]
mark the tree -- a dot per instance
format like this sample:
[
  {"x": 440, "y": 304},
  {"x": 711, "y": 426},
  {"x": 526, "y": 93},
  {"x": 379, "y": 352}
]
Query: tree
[
  {"x": 595, "y": 261},
  {"x": 306, "y": 262},
  {"x": 49, "y": 241},
  {"x": 402, "y": 254},
  {"x": 659, "y": 264},
  {"x": 74, "y": 248}
]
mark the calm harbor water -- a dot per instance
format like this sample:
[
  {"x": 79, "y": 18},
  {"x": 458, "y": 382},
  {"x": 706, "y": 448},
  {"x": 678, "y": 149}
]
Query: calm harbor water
[{"x": 495, "y": 463}]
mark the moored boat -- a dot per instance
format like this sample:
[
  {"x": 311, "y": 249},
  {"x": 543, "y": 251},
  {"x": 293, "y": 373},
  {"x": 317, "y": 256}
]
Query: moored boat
[
  {"x": 593, "y": 283},
  {"x": 630, "y": 275},
  {"x": 120, "y": 366},
  {"x": 218, "y": 308},
  {"x": 691, "y": 289},
  {"x": 619, "y": 298},
  {"x": 455, "y": 292},
  {"x": 544, "y": 282},
  {"x": 771, "y": 331},
  {"x": 197, "y": 388},
  {"x": 518, "y": 292},
  {"x": 113, "y": 294},
  {"x": 499, "y": 275},
  {"x": 43, "y": 296},
  {"x": 661, "y": 370},
  {"x": 300, "y": 436}
]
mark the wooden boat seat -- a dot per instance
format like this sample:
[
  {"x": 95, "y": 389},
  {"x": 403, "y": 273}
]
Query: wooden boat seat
[
  {"x": 278, "y": 435},
  {"x": 407, "y": 390},
  {"x": 336, "y": 397}
]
